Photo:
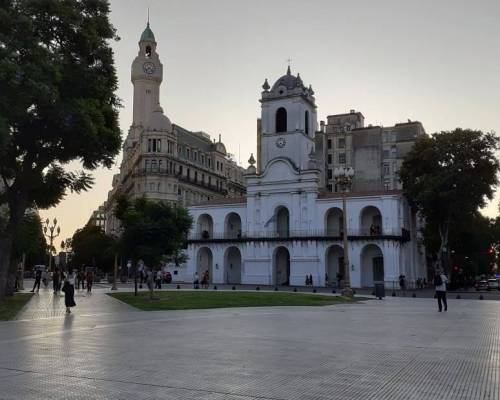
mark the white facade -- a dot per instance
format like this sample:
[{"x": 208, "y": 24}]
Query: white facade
[{"x": 287, "y": 227}]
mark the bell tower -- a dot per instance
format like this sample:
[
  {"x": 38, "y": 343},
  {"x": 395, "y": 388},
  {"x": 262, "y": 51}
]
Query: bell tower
[
  {"x": 147, "y": 75},
  {"x": 289, "y": 121}
]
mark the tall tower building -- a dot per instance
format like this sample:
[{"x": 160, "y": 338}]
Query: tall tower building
[{"x": 163, "y": 161}]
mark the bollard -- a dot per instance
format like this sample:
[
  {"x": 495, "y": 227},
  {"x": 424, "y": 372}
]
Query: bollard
[
  {"x": 334, "y": 291},
  {"x": 393, "y": 294},
  {"x": 233, "y": 288},
  {"x": 413, "y": 295},
  {"x": 196, "y": 287},
  {"x": 295, "y": 289},
  {"x": 257, "y": 288},
  {"x": 314, "y": 290},
  {"x": 215, "y": 287},
  {"x": 276, "y": 288},
  {"x": 373, "y": 293},
  {"x": 178, "y": 286},
  {"x": 353, "y": 292},
  {"x": 481, "y": 297}
]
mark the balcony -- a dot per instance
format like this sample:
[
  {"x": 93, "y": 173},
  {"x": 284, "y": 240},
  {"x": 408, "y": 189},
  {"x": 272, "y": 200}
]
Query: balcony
[{"x": 401, "y": 235}]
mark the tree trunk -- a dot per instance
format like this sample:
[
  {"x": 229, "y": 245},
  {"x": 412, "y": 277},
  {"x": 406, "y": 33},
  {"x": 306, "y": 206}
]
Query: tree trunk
[{"x": 5, "y": 252}]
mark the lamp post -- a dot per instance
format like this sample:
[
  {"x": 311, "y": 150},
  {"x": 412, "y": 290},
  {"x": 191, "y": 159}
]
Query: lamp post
[
  {"x": 53, "y": 232},
  {"x": 343, "y": 178}
]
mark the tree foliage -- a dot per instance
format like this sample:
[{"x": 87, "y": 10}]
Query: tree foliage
[
  {"x": 448, "y": 176},
  {"x": 30, "y": 241},
  {"x": 57, "y": 103},
  {"x": 92, "y": 247},
  {"x": 152, "y": 229}
]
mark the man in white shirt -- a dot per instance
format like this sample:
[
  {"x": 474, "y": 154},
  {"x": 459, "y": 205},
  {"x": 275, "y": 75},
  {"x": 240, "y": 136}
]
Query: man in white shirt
[{"x": 440, "y": 281}]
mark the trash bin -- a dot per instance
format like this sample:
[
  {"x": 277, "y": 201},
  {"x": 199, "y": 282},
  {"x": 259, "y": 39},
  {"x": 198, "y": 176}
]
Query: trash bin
[{"x": 379, "y": 290}]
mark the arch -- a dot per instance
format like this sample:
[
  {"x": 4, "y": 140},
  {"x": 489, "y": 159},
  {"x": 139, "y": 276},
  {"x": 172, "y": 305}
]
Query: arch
[
  {"x": 205, "y": 226},
  {"x": 148, "y": 51},
  {"x": 232, "y": 226},
  {"x": 371, "y": 221},
  {"x": 232, "y": 265},
  {"x": 204, "y": 261},
  {"x": 334, "y": 221},
  {"x": 372, "y": 265},
  {"x": 282, "y": 221},
  {"x": 281, "y": 120},
  {"x": 306, "y": 122},
  {"x": 281, "y": 266},
  {"x": 334, "y": 263}
]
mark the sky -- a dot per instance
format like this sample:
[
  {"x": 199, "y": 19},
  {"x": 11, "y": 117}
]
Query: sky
[{"x": 435, "y": 61}]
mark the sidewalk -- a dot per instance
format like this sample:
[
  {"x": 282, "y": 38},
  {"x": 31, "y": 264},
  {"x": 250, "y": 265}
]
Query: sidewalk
[{"x": 46, "y": 304}]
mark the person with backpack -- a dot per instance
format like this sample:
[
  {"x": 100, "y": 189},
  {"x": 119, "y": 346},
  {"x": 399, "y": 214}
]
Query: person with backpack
[
  {"x": 440, "y": 281},
  {"x": 38, "y": 278}
]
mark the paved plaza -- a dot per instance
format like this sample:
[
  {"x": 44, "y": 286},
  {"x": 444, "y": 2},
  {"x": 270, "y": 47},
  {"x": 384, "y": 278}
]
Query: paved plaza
[{"x": 391, "y": 349}]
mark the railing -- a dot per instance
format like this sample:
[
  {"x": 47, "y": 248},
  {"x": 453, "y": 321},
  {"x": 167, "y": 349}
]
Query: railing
[{"x": 399, "y": 234}]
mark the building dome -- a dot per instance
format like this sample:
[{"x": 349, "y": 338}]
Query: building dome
[
  {"x": 158, "y": 121},
  {"x": 289, "y": 81},
  {"x": 148, "y": 35}
]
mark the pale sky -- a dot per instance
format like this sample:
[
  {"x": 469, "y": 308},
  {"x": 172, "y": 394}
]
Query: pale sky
[{"x": 435, "y": 61}]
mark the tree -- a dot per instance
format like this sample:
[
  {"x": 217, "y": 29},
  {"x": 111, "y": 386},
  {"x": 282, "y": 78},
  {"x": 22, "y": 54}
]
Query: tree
[
  {"x": 57, "y": 105},
  {"x": 152, "y": 230},
  {"x": 92, "y": 247},
  {"x": 30, "y": 241},
  {"x": 447, "y": 177}
]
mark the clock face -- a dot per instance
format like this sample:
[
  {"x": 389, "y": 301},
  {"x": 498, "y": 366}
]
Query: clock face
[
  {"x": 280, "y": 142},
  {"x": 148, "y": 68}
]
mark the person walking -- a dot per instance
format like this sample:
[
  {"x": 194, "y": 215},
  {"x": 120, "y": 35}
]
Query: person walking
[
  {"x": 402, "y": 284},
  {"x": 90, "y": 281},
  {"x": 311, "y": 280},
  {"x": 196, "y": 280},
  {"x": 339, "y": 279},
  {"x": 69, "y": 292},
  {"x": 56, "y": 282},
  {"x": 307, "y": 280},
  {"x": 38, "y": 279},
  {"x": 440, "y": 281},
  {"x": 158, "y": 279}
]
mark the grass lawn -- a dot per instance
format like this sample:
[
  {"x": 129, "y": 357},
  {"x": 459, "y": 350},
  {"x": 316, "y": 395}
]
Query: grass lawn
[
  {"x": 185, "y": 300},
  {"x": 12, "y": 305}
]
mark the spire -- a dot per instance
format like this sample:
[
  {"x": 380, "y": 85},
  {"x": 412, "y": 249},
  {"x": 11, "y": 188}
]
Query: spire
[
  {"x": 147, "y": 34},
  {"x": 288, "y": 72}
]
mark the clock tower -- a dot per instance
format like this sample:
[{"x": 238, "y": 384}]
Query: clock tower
[
  {"x": 147, "y": 74},
  {"x": 288, "y": 122}
]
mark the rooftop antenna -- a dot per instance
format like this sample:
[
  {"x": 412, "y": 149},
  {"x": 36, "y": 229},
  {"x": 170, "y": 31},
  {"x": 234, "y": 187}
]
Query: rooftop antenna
[{"x": 148, "y": 15}]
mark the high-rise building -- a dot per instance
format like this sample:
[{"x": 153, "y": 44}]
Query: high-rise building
[
  {"x": 375, "y": 152},
  {"x": 164, "y": 161}
]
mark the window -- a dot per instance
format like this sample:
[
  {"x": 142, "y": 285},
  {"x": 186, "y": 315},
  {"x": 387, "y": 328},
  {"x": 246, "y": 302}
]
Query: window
[
  {"x": 151, "y": 186},
  {"x": 281, "y": 120},
  {"x": 306, "y": 122},
  {"x": 341, "y": 158},
  {"x": 154, "y": 165},
  {"x": 188, "y": 174},
  {"x": 341, "y": 143},
  {"x": 329, "y": 158},
  {"x": 386, "y": 169},
  {"x": 209, "y": 162},
  {"x": 203, "y": 159},
  {"x": 148, "y": 51},
  {"x": 180, "y": 170},
  {"x": 147, "y": 165},
  {"x": 329, "y": 187},
  {"x": 196, "y": 176},
  {"x": 209, "y": 181},
  {"x": 329, "y": 143},
  {"x": 202, "y": 179},
  {"x": 195, "y": 154},
  {"x": 160, "y": 163},
  {"x": 330, "y": 174},
  {"x": 187, "y": 153},
  {"x": 154, "y": 145}
]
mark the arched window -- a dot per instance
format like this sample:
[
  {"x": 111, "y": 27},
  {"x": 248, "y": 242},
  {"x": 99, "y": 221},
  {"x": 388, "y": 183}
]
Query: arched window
[
  {"x": 148, "y": 51},
  {"x": 306, "y": 122},
  {"x": 281, "y": 120}
]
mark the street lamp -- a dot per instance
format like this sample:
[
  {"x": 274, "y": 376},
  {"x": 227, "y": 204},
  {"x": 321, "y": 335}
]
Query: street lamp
[
  {"x": 343, "y": 178},
  {"x": 51, "y": 232}
]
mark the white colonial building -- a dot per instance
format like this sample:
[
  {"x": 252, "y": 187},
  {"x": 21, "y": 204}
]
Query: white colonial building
[{"x": 287, "y": 226}]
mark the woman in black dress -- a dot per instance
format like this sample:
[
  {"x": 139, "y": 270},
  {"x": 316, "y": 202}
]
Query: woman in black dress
[{"x": 69, "y": 293}]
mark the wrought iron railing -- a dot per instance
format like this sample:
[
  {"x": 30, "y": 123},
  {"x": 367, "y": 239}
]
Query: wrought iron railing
[{"x": 316, "y": 233}]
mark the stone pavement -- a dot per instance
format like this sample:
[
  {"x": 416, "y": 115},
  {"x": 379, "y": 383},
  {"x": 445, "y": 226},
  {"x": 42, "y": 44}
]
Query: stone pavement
[{"x": 391, "y": 349}]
